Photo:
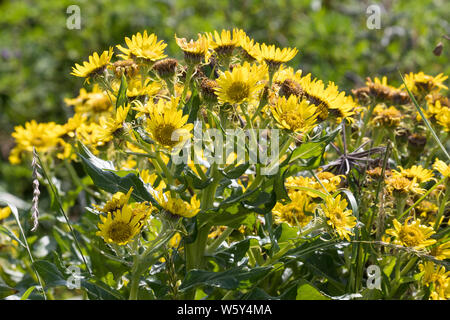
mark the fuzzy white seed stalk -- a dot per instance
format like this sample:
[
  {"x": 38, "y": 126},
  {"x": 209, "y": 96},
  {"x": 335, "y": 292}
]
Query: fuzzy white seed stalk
[{"x": 34, "y": 203}]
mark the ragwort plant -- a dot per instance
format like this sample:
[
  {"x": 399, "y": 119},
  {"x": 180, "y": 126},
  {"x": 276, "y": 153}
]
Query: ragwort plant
[{"x": 181, "y": 199}]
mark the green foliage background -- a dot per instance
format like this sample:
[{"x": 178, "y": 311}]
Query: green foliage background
[{"x": 37, "y": 50}]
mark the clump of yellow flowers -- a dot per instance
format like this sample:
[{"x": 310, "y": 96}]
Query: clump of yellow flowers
[{"x": 180, "y": 149}]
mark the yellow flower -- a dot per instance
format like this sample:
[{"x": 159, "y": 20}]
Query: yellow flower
[
  {"x": 443, "y": 118},
  {"x": 327, "y": 179},
  {"x": 250, "y": 49},
  {"x": 136, "y": 88},
  {"x": 175, "y": 241},
  {"x": 143, "y": 47},
  {"x": 93, "y": 104},
  {"x": 413, "y": 235},
  {"x": 442, "y": 251},
  {"x": 240, "y": 85},
  {"x": 442, "y": 167},
  {"x": 293, "y": 115},
  {"x": 194, "y": 51},
  {"x": 418, "y": 172},
  {"x": 5, "y": 212},
  {"x": 111, "y": 125},
  {"x": 152, "y": 180},
  {"x": 298, "y": 212},
  {"x": 178, "y": 207},
  {"x": 330, "y": 103},
  {"x": 117, "y": 201},
  {"x": 387, "y": 117},
  {"x": 120, "y": 227},
  {"x": 400, "y": 185},
  {"x": 224, "y": 43},
  {"x": 95, "y": 66},
  {"x": 422, "y": 84},
  {"x": 43, "y": 136},
  {"x": 167, "y": 125},
  {"x": 339, "y": 218},
  {"x": 274, "y": 56},
  {"x": 435, "y": 275}
]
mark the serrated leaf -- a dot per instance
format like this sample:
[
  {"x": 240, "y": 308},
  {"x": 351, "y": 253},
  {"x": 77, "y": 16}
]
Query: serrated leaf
[
  {"x": 111, "y": 182},
  {"x": 229, "y": 279},
  {"x": 49, "y": 273}
]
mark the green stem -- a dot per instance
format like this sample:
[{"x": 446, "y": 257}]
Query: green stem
[
  {"x": 366, "y": 119},
  {"x": 189, "y": 72}
]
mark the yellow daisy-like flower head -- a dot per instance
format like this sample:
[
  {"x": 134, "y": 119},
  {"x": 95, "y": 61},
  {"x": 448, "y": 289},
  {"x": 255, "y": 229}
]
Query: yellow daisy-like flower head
[
  {"x": 250, "y": 49},
  {"x": 120, "y": 227},
  {"x": 152, "y": 179},
  {"x": 5, "y": 212},
  {"x": 94, "y": 67},
  {"x": 331, "y": 104},
  {"x": 274, "y": 57},
  {"x": 137, "y": 89},
  {"x": 167, "y": 125},
  {"x": 293, "y": 115},
  {"x": 443, "y": 118},
  {"x": 178, "y": 207},
  {"x": 338, "y": 216},
  {"x": 112, "y": 126},
  {"x": 93, "y": 104},
  {"x": 442, "y": 251},
  {"x": 45, "y": 137},
  {"x": 442, "y": 167},
  {"x": 143, "y": 48},
  {"x": 402, "y": 186},
  {"x": 423, "y": 84},
  {"x": 242, "y": 84},
  {"x": 413, "y": 235},
  {"x": 225, "y": 42},
  {"x": 420, "y": 173},
  {"x": 386, "y": 117},
  {"x": 194, "y": 51},
  {"x": 436, "y": 275},
  {"x": 298, "y": 212},
  {"x": 117, "y": 201}
]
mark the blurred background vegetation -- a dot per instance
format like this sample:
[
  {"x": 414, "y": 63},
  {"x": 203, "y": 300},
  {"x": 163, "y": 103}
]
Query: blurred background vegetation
[{"x": 37, "y": 51}]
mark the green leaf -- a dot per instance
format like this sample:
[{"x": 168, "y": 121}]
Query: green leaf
[
  {"x": 27, "y": 293},
  {"x": 313, "y": 149},
  {"x": 9, "y": 233},
  {"x": 122, "y": 95},
  {"x": 6, "y": 291},
  {"x": 49, "y": 273},
  {"x": 305, "y": 291},
  {"x": 99, "y": 163},
  {"x": 236, "y": 172},
  {"x": 229, "y": 279},
  {"x": 233, "y": 254},
  {"x": 111, "y": 182},
  {"x": 99, "y": 291}
]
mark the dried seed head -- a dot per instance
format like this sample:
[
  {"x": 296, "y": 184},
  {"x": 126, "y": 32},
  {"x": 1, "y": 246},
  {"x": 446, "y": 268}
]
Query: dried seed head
[
  {"x": 416, "y": 143},
  {"x": 129, "y": 67},
  {"x": 290, "y": 87},
  {"x": 207, "y": 89},
  {"x": 166, "y": 68}
]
